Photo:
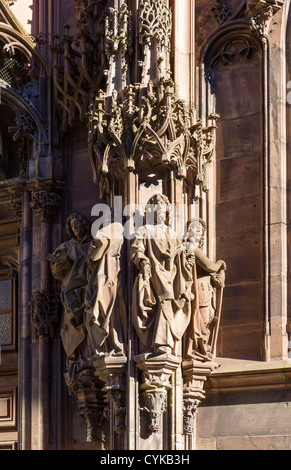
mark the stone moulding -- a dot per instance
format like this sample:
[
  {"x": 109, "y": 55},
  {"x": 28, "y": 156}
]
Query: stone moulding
[{"x": 156, "y": 371}]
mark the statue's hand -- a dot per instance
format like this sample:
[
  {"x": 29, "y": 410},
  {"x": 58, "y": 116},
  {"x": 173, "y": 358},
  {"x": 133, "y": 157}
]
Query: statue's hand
[
  {"x": 190, "y": 259},
  {"x": 147, "y": 272},
  {"x": 222, "y": 265}
]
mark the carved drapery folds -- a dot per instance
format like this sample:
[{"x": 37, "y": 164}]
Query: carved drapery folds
[{"x": 94, "y": 324}]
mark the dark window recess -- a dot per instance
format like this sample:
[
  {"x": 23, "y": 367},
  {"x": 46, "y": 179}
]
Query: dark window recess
[{"x": 6, "y": 326}]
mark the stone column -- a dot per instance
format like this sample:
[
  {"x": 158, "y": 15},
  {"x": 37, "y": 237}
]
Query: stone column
[
  {"x": 25, "y": 327},
  {"x": 44, "y": 308}
]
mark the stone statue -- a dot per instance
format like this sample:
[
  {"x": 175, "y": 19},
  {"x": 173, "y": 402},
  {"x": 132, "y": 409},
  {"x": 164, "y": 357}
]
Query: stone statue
[
  {"x": 105, "y": 311},
  {"x": 69, "y": 265},
  {"x": 162, "y": 291},
  {"x": 199, "y": 338}
]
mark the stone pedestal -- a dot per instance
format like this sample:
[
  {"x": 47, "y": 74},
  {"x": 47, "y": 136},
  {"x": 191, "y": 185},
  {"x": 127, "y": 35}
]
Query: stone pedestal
[{"x": 112, "y": 371}]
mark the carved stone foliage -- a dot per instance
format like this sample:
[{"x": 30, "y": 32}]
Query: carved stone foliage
[
  {"x": 17, "y": 209},
  {"x": 89, "y": 9},
  {"x": 46, "y": 205},
  {"x": 260, "y": 14},
  {"x": 128, "y": 122},
  {"x": 44, "y": 313},
  {"x": 154, "y": 123},
  {"x": 156, "y": 377},
  {"x": 190, "y": 406},
  {"x": 221, "y": 12}
]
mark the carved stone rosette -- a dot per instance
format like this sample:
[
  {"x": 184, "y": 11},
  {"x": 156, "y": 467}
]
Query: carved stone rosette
[
  {"x": 195, "y": 374},
  {"x": 112, "y": 371},
  {"x": 157, "y": 371}
]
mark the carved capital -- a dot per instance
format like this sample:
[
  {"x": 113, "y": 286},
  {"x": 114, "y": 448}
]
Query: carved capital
[
  {"x": 156, "y": 382},
  {"x": 260, "y": 13},
  {"x": 17, "y": 209},
  {"x": 46, "y": 205},
  {"x": 190, "y": 405},
  {"x": 44, "y": 311}
]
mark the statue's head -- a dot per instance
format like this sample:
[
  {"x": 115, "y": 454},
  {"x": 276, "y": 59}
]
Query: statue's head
[
  {"x": 78, "y": 226},
  {"x": 196, "y": 228},
  {"x": 158, "y": 210}
]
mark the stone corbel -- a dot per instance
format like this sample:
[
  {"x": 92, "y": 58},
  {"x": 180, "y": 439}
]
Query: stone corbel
[
  {"x": 112, "y": 371},
  {"x": 90, "y": 399},
  {"x": 195, "y": 374},
  {"x": 156, "y": 372},
  {"x": 260, "y": 13}
]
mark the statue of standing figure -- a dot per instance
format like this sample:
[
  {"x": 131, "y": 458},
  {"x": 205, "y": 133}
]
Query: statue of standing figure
[
  {"x": 105, "y": 311},
  {"x": 162, "y": 291},
  {"x": 94, "y": 315},
  {"x": 69, "y": 266},
  {"x": 200, "y": 338}
]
